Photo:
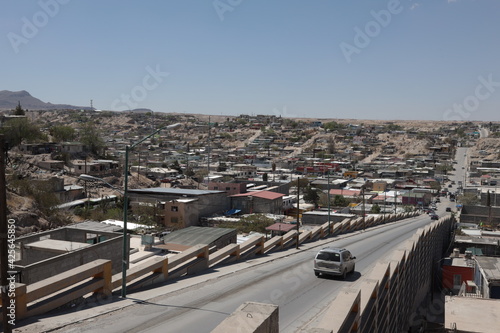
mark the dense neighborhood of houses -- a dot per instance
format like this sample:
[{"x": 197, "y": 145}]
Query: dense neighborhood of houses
[
  {"x": 220, "y": 171},
  {"x": 248, "y": 164}
]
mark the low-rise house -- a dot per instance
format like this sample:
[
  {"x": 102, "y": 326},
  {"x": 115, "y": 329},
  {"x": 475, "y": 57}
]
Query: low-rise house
[
  {"x": 160, "y": 173},
  {"x": 414, "y": 198},
  {"x": 97, "y": 168},
  {"x": 38, "y": 148},
  {"x": 49, "y": 253},
  {"x": 181, "y": 208},
  {"x": 265, "y": 202},
  {"x": 72, "y": 147},
  {"x": 229, "y": 188},
  {"x": 51, "y": 165},
  {"x": 456, "y": 270}
]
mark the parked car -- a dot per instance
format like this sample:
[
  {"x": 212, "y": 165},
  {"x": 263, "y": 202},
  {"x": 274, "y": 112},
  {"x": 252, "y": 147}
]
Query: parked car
[
  {"x": 334, "y": 261},
  {"x": 448, "y": 209}
]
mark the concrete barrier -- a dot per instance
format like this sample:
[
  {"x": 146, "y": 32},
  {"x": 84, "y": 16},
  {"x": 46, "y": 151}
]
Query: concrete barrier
[
  {"x": 63, "y": 288},
  {"x": 252, "y": 246},
  {"x": 232, "y": 250},
  {"x": 251, "y": 317}
]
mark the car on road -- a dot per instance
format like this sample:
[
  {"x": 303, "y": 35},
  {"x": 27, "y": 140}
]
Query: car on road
[
  {"x": 334, "y": 261},
  {"x": 448, "y": 209},
  {"x": 434, "y": 216}
]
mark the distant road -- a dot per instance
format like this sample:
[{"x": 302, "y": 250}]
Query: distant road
[{"x": 483, "y": 133}]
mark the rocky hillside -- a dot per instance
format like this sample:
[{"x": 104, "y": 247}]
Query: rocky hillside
[{"x": 10, "y": 99}]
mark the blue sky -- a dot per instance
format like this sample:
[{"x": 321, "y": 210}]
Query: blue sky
[{"x": 421, "y": 60}]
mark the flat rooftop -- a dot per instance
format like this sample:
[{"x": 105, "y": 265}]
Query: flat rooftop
[
  {"x": 467, "y": 314},
  {"x": 57, "y": 246},
  {"x": 490, "y": 266},
  {"x": 95, "y": 226}
]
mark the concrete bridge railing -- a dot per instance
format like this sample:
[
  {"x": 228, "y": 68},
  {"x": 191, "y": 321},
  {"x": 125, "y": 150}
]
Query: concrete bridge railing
[
  {"x": 191, "y": 261},
  {"x": 46, "y": 295}
]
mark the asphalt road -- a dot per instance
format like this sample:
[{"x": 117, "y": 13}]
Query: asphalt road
[{"x": 286, "y": 279}]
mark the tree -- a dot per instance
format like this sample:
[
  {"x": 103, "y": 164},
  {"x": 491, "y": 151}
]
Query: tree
[
  {"x": 468, "y": 199},
  {"x": 21, "y": 129},
  {"x": 303, "y": 182},
  {"x": 18, "y": 111},
  {"x": 332, "y": 126},
  {"x": 63, "y": 133},
  {"x": 90, "y": 136},
  {"x": 176, "y": 166},
  {"x": 375, "y": 209},
  {"x": 340, "y": 201},
  {"x": 311, "y": 195}
]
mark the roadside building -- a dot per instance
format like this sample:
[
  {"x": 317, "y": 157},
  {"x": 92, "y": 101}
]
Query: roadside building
[
  {"x": 265, "y": 202},
  {"x": 181, "y": 208}
]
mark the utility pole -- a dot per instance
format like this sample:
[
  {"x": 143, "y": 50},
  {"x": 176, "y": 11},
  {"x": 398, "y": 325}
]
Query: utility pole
[
  {"x": 363, "y": 211},
  {"x": 329, "y": 229},
  {"x": 395, "y": 200},
  {"x": 385, "y": 199},
  {"x": 298, "y": 210},
  {"x": 4, "y": 254},
  {"x": 208, "y": 151},
  {"x": 86, "y": 193},
  {"x": 139, "y": 165}
]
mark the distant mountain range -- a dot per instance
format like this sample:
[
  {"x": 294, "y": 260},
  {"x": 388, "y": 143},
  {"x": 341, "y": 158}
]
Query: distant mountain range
[{"x": 9, "y": 100}]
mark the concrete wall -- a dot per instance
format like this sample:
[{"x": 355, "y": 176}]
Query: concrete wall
[
  {"x": 110, "y": 249},
  {"x": 478, "y": 214},
  {"x": 312, "y": 218}
]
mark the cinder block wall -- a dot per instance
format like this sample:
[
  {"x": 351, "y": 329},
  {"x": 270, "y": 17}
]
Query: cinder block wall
[{"x": 110, "y": 249}]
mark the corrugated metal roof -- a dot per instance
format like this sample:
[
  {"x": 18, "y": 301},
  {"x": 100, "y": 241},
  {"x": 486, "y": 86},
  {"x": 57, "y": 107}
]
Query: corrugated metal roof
[
  {"x": 490, "y": 267},
  {"x": 196, "y": 235},
  {"x": 176, "y": 191},
  {"x": 345, "y": 193},
  {"x": 95, "y": 226},
  {"x": 261, "y": 194},
  {"x": 285, "y": 227}
]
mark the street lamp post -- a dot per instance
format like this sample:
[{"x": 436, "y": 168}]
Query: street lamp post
[
  {"x": 385, "y": 199},
  {"x": 329, "y": 229},
  {"x": 125, "y": 253},
  {"x": 364, "y": 213}
]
